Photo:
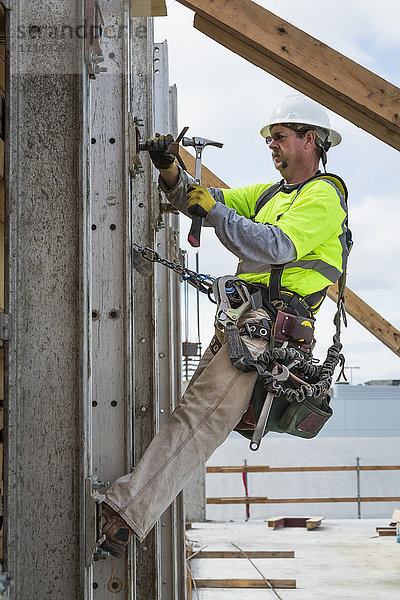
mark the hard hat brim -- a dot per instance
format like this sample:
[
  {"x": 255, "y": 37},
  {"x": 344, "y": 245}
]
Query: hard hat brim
[{"x": 334, "y": 136}]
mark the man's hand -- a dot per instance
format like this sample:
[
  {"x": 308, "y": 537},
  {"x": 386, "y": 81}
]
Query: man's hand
[
  {"x": 161, "y": 157},
  {"x": 199, "y": 200}
]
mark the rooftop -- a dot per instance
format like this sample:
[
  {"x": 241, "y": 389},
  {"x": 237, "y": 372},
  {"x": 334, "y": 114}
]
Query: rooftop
[{"x": 341, "y": 559}]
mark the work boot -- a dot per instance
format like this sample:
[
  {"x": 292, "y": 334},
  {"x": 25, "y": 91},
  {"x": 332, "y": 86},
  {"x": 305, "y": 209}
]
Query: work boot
[{"x": 117, "y": 532}]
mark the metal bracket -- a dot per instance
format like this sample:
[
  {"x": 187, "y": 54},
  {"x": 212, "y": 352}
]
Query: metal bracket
[
  {"x": 5, "y": 326},
  {"x": 135, "y": 162},
  {"x": 94, "y": 24},
  {"x": 166, "y": 207},
  {"x": 93, "y": 500}
]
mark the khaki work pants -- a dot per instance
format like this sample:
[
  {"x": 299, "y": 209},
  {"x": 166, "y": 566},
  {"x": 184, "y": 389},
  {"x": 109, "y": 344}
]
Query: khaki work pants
[{"x": 214, "y": 402}]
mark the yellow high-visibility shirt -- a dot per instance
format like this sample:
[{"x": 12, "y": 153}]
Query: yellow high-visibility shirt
[{"x": 314, "y": 219}]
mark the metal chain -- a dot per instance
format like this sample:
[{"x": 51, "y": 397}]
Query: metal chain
[{"x": 200, "y": 281}]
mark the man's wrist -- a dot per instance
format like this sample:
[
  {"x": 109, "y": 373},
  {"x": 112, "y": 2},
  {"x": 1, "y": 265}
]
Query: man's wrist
[
  {"x": 168, "y": 168},
  {"x": 170, "y": 176}
]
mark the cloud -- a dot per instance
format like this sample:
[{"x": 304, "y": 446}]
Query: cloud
[{"x": 374, "y": 261}]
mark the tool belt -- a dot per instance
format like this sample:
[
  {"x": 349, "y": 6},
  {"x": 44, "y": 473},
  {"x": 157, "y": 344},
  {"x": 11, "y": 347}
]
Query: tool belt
[
  {"x": 300, "y": 405},
  {"x": 302, "y": 419}
]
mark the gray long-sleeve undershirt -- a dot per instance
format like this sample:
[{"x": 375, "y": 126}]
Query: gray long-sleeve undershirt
[{"x": 258, "y": 245}]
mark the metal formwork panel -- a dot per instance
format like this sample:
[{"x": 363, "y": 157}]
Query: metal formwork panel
[
  {"x": 110, "y": 451},
  {"x": 145, "y": 213},
  {"x": 168, "y": 335},
  {"x": 159, "y": 558}
]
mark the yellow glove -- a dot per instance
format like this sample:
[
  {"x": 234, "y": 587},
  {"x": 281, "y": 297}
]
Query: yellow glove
[{"x": 199, "y": 200}]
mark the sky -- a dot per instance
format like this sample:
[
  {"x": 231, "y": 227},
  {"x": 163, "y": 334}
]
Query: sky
[{"x": 223, "y": 97}]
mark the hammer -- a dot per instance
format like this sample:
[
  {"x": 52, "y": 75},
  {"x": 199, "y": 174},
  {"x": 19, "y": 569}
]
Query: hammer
[{"x": 198, "y": 144}]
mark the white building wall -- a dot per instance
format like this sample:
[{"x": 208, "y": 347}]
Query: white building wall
[{"x": 364, "y": 411}]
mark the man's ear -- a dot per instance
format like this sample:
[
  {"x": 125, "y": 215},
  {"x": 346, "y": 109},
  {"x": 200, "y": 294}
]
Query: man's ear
[{"x": 310, "y": 137}]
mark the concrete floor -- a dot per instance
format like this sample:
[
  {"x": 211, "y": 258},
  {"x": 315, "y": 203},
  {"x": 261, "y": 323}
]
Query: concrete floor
[{"x": 341, "y": 559}]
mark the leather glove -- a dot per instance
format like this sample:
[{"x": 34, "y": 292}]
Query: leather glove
[
  {"x": 161, "y": 157},
  {"x": 199, "y": 200}
]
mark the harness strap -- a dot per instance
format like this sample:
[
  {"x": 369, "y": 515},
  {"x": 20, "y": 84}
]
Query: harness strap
[
  {"x": 274, "y": 287},
  {"x": 274, "y": 295},
  {"x": 240, "y": 355},
  {"x": 266, "y": 197}
]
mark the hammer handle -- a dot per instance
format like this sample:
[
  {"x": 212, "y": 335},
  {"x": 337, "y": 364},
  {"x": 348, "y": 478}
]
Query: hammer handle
[{"x": 195, "y": 230}]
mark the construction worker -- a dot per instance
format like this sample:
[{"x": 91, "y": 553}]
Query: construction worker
[{"x": 291, "y": 238}]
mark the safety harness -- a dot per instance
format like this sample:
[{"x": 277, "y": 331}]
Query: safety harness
[
  {"x": 286, "y": 370},
  {"x": 310, "y": 303}
]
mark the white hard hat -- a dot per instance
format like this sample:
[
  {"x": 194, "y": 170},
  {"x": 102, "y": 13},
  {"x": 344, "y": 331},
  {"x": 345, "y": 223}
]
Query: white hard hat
[{"x": 298, "y": 109}]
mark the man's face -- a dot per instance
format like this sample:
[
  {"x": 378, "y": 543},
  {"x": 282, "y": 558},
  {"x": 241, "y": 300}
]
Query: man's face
[{"x": 288, "y": 150}]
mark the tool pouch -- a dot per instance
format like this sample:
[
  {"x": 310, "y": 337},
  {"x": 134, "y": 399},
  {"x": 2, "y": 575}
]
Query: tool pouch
[
  {"x": 297, "y": 331},
  {"x": 302, "y": 419}
]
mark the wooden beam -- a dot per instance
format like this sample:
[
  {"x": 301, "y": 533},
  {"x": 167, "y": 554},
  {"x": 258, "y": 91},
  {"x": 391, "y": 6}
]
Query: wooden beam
[
  {"x": 355, "y": 306},
  {"x": 267, "y": 469},
  {"x": 249, "y": 553},
  {"x": 246, "y": 583},
  {"x": 287, "y": 75},
  {"x": 304, "y": 62},
  {"x": 148, "y": 8},
  {"x": 264, "y": 500},
  {"x": 369, "y": 318}
]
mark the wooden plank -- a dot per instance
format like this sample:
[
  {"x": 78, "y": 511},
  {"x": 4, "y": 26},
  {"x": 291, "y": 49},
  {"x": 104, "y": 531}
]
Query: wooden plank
[
  {"x": 308, "y": 522},
  {"x": 369, "y": 318},
  {"x": 1, "y": 158},
  {"x": 264, "y": 500},
  {"x": 246, "y": 583},
  {"x": 249, "y": 553},
  {"x": 148, "y": 8},
  {"x": 386, "y": 531},
  {"x": 277, "y": 522},
  {"x": 347, "y": 85},
  {"x": 314, "y": 522},
  {"x": 2, "y": 200},
  {"x": 207, "y": 177},
  {"x": 267, "y": 469}
]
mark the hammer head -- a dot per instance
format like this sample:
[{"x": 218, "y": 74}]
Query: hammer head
[{"x": 198, "y": 142}]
